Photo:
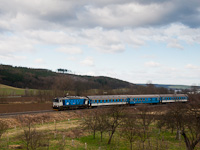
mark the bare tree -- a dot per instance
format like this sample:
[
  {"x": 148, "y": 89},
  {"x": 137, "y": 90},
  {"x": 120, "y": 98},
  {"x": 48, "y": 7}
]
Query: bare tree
[
  {"x": 115, "y": 114},
  {"x": 145, "y": 118},
  {"x": 102, "y": 121},
  {"x": 175, "y": 115},
  {"x": 3, "y": 127},
  {"x": 31, "y": 138},
  {"x": 90, "y": 121},
  {"x": 129, "y": 127},
  {"x": 191, "y": 130},
  {"x": 62, "y": 84}
]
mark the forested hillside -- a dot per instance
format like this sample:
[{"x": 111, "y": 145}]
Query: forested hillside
[
  {"x": 44, "y": 79},
  {"x": 22, "y": 77}
]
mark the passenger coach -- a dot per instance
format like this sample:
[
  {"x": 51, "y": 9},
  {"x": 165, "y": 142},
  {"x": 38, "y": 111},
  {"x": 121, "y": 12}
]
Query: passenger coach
[
  {"x": 171, "y": 98},
  {"x": 106, "y": 100}
]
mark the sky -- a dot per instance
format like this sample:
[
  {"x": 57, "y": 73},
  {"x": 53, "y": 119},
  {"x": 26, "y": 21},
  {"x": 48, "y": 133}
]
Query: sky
[{"x": 138, "y": 41}]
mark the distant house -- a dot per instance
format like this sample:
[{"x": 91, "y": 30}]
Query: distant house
[
  {"x": 196, "y": 92},
  {"x": 177, "y": 91}
]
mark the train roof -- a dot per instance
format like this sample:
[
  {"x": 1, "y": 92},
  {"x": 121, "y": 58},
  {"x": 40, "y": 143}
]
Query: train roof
[
  {"x": 173, "y": 95},
  {"x": 97, "y": 97},
  {"x": 145, "y": 95}
]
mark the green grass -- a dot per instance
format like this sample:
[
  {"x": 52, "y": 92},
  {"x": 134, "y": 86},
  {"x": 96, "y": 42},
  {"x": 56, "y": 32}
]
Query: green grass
[
  {"x": 6, "y": 90},
  {"x": 9, "y": 90},
  {"x": 179, "y": 87}
]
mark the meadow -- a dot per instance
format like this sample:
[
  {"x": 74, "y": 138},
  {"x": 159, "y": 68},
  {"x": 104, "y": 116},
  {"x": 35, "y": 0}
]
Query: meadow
[{"x": 65, "y": 131}]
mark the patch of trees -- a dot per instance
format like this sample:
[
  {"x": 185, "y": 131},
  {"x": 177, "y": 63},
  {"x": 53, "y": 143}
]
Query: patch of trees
[{"x": 139, "y": 124}]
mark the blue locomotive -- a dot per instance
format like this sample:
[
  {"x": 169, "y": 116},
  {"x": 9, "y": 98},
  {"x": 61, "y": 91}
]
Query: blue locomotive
[{"x": 74, "y": 102}]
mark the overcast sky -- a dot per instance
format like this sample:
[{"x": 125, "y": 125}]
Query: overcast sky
[{"x": 133, "y": 40}]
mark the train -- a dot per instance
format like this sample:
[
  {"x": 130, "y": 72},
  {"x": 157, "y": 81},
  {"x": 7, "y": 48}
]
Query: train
[{"x": 76, "y": 102}]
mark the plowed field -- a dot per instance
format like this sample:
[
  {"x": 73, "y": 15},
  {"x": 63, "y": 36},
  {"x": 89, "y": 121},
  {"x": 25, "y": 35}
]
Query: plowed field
[{"x": 8, "y": 108}]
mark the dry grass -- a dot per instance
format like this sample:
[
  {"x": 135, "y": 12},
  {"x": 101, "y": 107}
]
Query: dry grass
[
  {"x": 41, "y": 118},
  {"x": 44, "y": 122}
]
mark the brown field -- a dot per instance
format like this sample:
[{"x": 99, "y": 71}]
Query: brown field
[
  {"x": 21, "y": 104},
  {"x": 9, "y": 108}
]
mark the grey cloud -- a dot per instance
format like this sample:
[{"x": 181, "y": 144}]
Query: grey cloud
[{"x": 104, "y": 13}]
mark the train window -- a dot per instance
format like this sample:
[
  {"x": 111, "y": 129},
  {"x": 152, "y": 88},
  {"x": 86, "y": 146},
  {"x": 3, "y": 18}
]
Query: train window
[{"x": 56, "y": 100}]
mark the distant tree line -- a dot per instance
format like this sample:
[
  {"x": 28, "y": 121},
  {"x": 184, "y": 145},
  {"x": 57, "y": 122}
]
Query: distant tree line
[{"x": 60, "y": 70}]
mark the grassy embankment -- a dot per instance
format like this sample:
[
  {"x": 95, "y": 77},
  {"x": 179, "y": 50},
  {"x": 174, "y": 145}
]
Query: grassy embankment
[
  {"x": 6, "y": 90},
  {"x": 68, "y": 134}
]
